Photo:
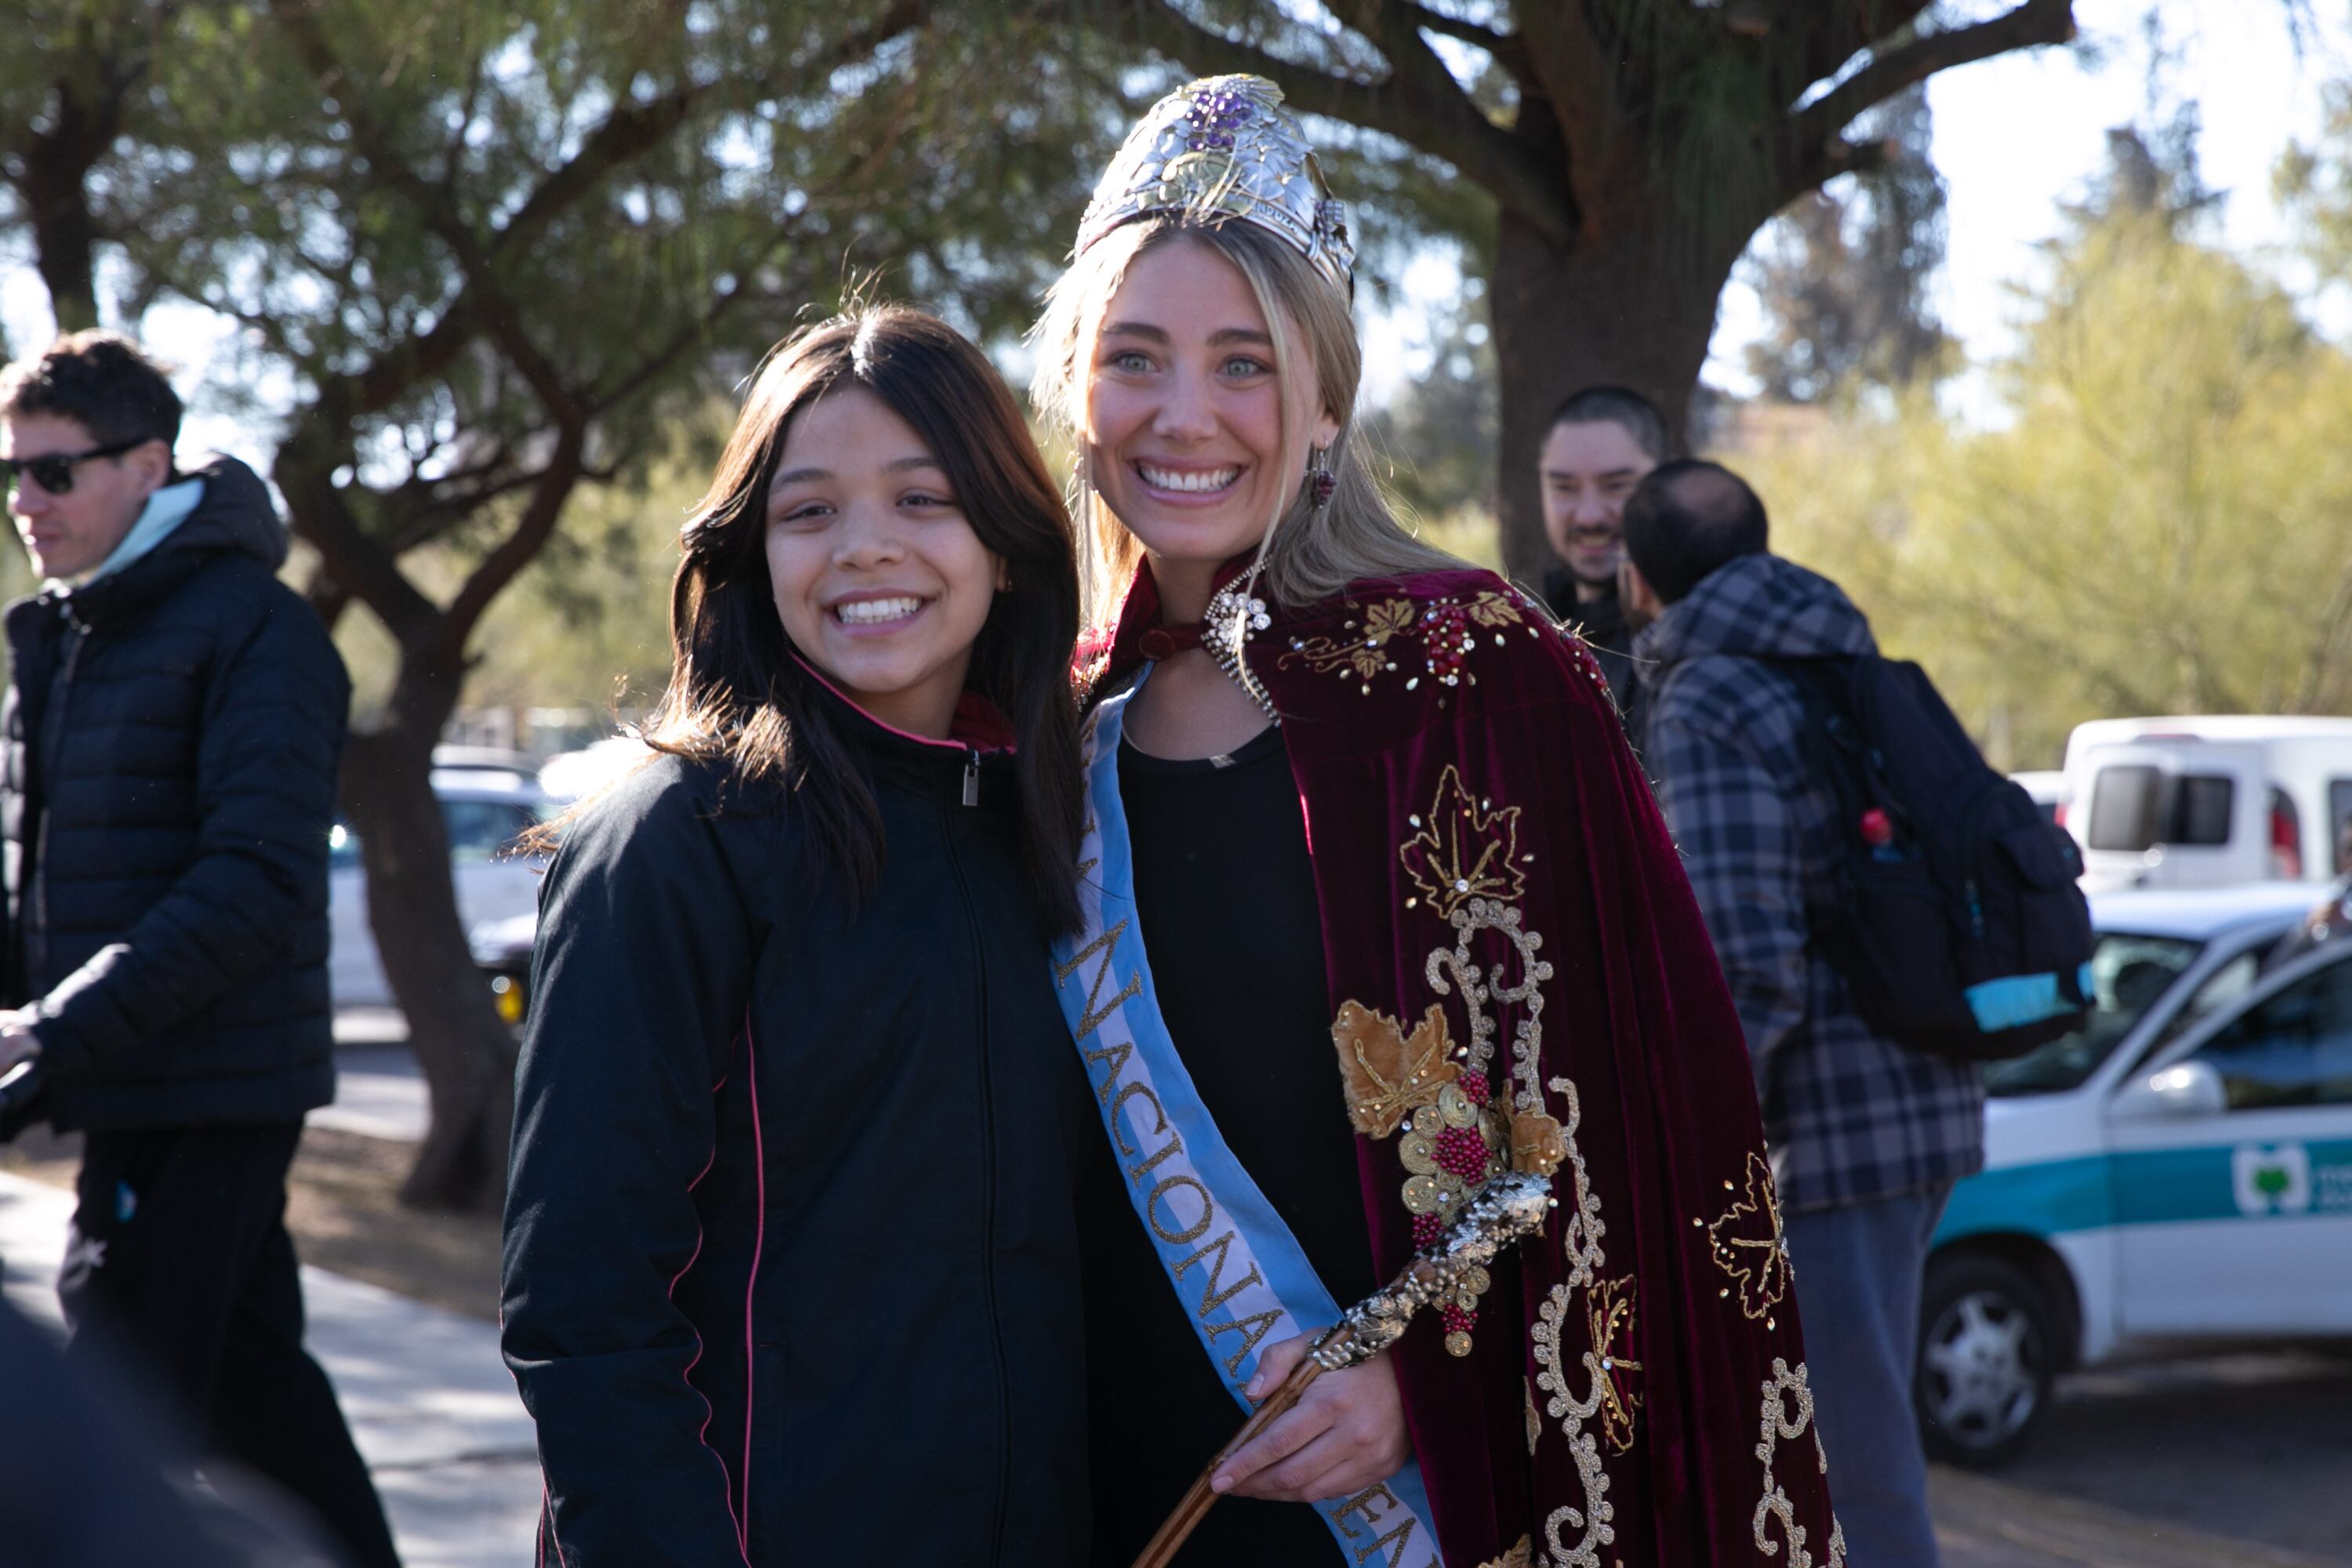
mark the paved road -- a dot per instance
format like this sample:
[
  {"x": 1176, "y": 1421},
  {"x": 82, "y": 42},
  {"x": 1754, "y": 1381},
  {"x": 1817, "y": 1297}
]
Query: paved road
[
  {"x": 2227, "y": 1461},
  {"x": 432, "y": 1407}
]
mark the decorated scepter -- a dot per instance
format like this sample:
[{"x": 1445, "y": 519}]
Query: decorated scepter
[{"x": 1511, "y": 1208}]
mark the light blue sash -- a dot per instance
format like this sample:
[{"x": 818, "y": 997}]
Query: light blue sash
[{"x": 1241, "y": 1276}]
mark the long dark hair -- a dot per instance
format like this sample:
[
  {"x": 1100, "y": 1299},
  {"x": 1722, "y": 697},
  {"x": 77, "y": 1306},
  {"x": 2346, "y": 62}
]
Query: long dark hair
[{"x": 738, "y": 696}]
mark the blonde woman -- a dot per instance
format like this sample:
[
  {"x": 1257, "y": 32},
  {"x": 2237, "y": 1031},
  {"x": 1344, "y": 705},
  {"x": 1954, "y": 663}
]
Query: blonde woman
[{"x": 1376, "y": 906}]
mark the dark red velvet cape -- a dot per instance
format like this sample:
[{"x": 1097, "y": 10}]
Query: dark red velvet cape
[{"x": 1633, "y": 1387}]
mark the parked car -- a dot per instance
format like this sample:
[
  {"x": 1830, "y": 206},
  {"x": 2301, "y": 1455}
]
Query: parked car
[
  {"x": 2207, "y": 802},
  {"x": 2178, "y": 1169},
  {"x": 484, "y": 809}
]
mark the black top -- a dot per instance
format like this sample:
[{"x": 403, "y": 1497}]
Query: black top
[
  {"x": 789, "y": 1212},
  {"x": 1226, "y": 898},
  {"x": 1602, "y": 624}
]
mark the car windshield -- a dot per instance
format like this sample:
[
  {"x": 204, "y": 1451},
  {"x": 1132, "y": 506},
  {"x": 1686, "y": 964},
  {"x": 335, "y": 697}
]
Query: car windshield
[{"x": 2128, "y": 973}]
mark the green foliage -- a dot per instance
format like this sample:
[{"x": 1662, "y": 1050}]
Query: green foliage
[
  {"x": 1434, "y": 444},
  {"x": 2158, "y": 528},
  {"x": 1843, "y": 275}
]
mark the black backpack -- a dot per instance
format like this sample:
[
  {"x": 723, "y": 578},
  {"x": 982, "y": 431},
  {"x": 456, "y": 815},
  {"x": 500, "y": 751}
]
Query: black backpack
[{"x": 1956, "y": 920}]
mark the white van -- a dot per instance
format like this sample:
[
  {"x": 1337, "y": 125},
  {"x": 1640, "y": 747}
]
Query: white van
[{"x": 2207, "y": 802}]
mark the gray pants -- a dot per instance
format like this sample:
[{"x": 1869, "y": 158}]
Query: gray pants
[{"x": 1858, "y": 1269}]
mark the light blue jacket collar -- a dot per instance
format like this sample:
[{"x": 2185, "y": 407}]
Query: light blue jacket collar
[{"x": 165, "y": 510}]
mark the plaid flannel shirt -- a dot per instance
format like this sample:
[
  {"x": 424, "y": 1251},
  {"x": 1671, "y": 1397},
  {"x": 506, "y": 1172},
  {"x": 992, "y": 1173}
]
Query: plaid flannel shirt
[{"x": 1849, "y": 1116}]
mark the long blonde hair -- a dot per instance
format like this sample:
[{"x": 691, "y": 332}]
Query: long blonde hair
[{"x": 1309, "y": 553}]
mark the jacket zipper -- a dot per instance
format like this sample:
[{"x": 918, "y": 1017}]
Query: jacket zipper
[
  {"x": 53, "y": 725},
  {"x": 988, "y": 1174}
]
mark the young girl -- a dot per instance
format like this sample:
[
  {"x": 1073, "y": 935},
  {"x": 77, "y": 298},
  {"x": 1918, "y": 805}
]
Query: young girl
[
  {"x": 791, "y": 1270},
  {"x": 1382, "y": 908}
]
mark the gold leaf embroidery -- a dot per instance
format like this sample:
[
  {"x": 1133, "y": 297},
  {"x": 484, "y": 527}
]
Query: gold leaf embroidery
[
  {"x": 1465, "y": 851},
  {"x": 1366, "y": 655},
  {"x": 1387, "y": 1075},
  {"x": 1386, "y": 619},
  {"x": 1493, "y": 609},
  {"x": 1756, "y": 1255},
  {"x": 1609, "y": 1315},
  {"x": 1521, "y": 1555},
  {"x": 1441, "y": 627},
  {"x": 1538, "y": 1144},
  {"x": 1535, "y": 1422}
]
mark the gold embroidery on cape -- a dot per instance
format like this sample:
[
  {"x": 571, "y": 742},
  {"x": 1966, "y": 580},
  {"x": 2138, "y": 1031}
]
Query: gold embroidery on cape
[
  {"x": 1755, "y": 1255},
  {"x": 1609, "y": 1319},
  {"x": 1535, "y": 1422},
  {"x": 1778, "y": 1424},
  {"x": 1520, "y": 1555},
  {"x": 1363, "y": 657},
  {"x": 1372, "y": 648},
  {"x": 1387, "y": 1075},
  {"x": 1441, "y": 1141},
  {"x": 1581, "y": 1242},
  {"x": 1464, "y": 853},
  {"x": 1460, "y": 1126},
  {"x": 1538, "y": 1144}
]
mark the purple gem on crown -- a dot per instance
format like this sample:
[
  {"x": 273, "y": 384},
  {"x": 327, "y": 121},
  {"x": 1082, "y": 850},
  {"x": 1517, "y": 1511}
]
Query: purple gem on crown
[{"x": 1214, "y": 117}]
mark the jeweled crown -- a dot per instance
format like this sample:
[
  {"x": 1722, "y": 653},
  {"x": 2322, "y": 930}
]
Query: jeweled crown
[{"x": 1225, "y": 147}]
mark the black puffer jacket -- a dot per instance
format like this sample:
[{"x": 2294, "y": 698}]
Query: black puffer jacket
[
  {"x": 789, "y": 1212},
  {"x": 171, "y": 734}
]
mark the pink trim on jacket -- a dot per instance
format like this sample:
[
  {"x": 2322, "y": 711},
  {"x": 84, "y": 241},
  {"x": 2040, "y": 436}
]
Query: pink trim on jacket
[
  {"x": 703, "y": 1435},
  {"x": 974, "y": 713},
  {"x": 752, "y": 1282}
]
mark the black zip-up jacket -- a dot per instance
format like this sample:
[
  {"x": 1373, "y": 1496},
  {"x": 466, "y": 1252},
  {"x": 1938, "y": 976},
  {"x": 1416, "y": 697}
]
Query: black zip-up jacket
[
  {"x": 1602, "y": 623},
  {"x": 791, "y": 1266},
  {"x": 171, "y": 738}
]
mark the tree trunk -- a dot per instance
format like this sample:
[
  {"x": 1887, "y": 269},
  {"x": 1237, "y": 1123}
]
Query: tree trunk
[
  {"x": 1629, "y": 310},
  {"x": 467, "y": 1052}
]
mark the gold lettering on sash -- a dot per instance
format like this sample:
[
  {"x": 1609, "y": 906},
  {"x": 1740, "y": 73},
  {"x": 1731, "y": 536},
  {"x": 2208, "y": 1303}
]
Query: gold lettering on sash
[
  {"x": 1212, "y": 1299},
  {"x": 1190, "y": 1233},
  {"x": 1118, "y": 1125},
  {"x": 1252, "y": 1328},
  {"x": 1096, "y": 1009},
  {"x": 1362, "y": 1503},
  {"x": 1175, "y": 1145},
  {"x": 1117, "y": 1057}
]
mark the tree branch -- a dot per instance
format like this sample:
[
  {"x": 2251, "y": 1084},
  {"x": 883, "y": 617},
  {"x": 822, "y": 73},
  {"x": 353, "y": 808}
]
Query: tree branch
[
  {"x": 2031, "y": 25},
  {"x": 1510, "y": 50},
  {"x": 1576, "y": 85},
  {"x": 434, "y": 204},
  {"x": 360, "y": 566},
  {"x": 488, "y": 579},
  {"x": 1829, "y": 36},
  {"x": 1838, "y": 156}
]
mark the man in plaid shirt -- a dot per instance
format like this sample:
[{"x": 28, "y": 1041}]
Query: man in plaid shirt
[{"x": 1867, "y": 1138}]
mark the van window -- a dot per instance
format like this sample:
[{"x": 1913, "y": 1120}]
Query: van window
[{"x": 2136, "y": 807}]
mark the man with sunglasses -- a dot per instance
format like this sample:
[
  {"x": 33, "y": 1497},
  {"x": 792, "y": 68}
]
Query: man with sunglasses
[{"x": 168, "y": 746}]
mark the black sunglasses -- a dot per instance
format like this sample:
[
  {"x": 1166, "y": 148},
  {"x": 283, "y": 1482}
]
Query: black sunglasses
[{"x": 54, "y": 473}]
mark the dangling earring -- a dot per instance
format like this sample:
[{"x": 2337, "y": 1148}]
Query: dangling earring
[{"x": 1321, "y": 483}]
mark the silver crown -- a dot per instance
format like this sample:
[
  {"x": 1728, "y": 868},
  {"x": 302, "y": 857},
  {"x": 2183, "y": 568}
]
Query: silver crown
[{"x": 1222, "y": 147}]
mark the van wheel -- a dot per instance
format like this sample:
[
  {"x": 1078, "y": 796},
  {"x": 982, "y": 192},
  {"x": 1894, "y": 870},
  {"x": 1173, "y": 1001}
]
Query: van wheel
[{"x": 1987, "y": 1341}]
